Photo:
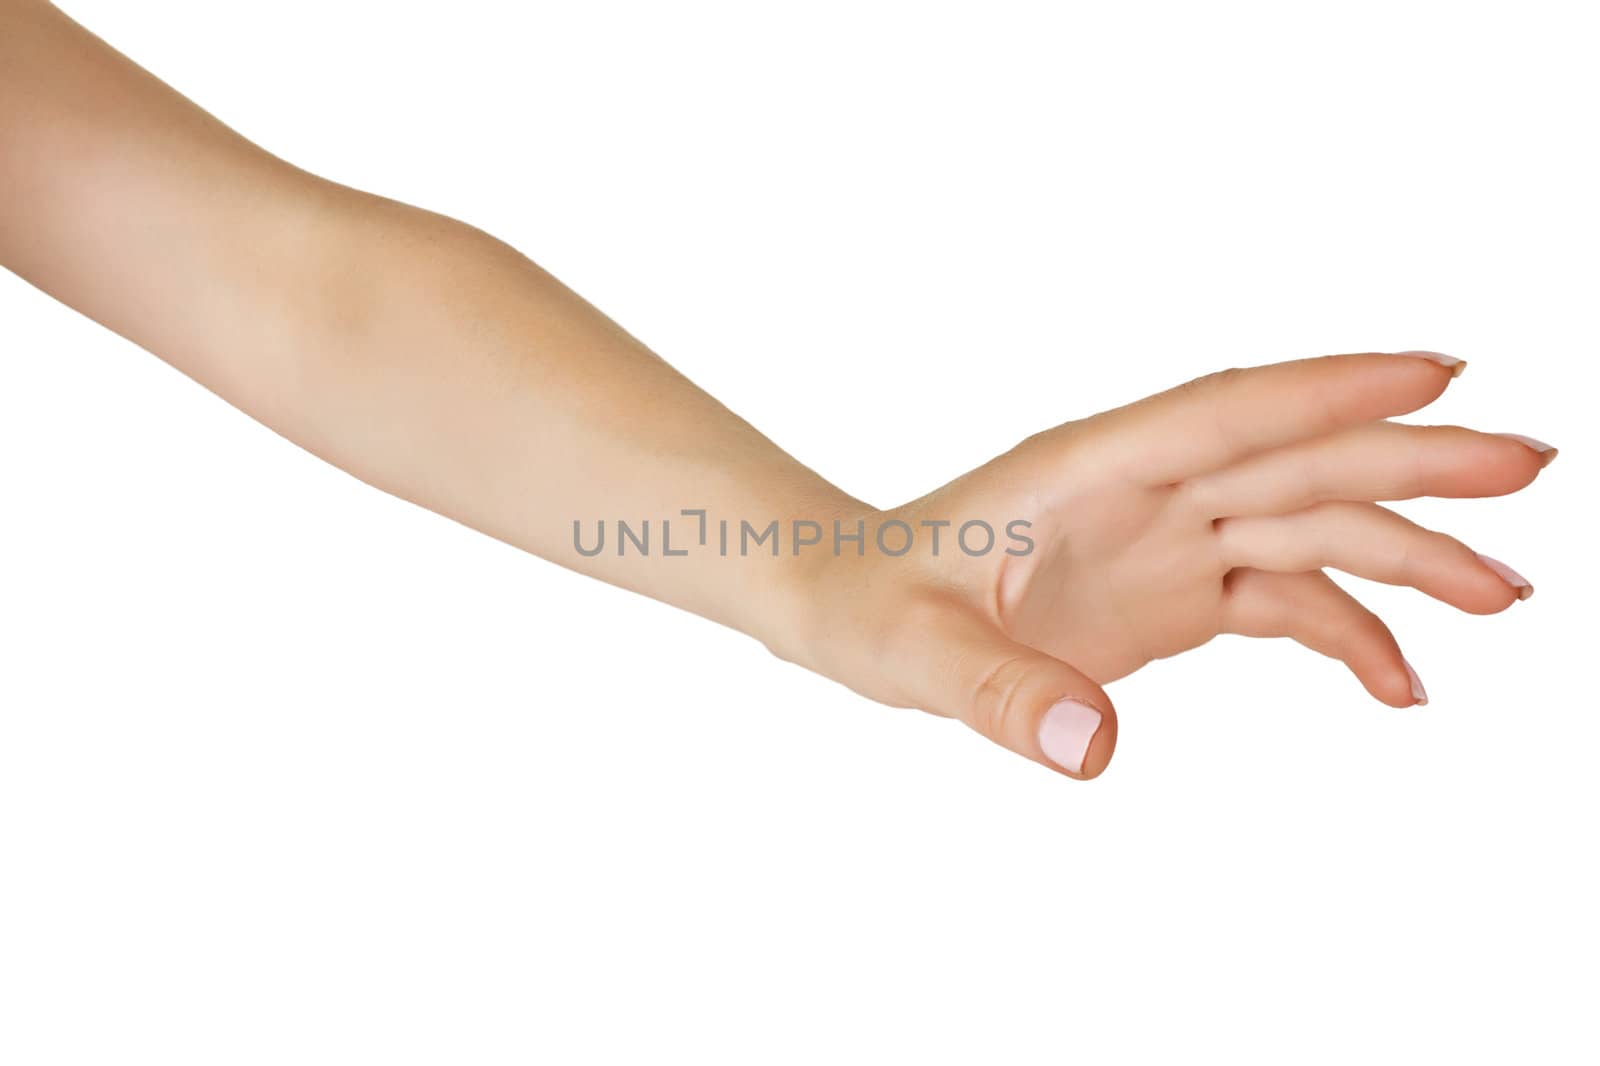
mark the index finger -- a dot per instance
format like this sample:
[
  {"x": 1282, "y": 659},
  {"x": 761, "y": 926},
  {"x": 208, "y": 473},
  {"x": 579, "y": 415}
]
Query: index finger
[{"x": 1217, "y": 420}]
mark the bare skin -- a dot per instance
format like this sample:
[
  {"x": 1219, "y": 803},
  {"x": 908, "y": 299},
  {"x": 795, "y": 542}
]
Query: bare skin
[{"x": 437, "y": 363}]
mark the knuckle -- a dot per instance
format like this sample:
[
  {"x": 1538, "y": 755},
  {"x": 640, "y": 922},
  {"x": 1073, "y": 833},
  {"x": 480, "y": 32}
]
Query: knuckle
[
  {"x": 1225, "y": 534},
  {"x": 1218, "y": 379},
  {"x": 1367, "y": 630},
  {"x": 996, "y": 698},
  {"x": 1451, "y": 548},
  {"x": 1351, "y": 631}
]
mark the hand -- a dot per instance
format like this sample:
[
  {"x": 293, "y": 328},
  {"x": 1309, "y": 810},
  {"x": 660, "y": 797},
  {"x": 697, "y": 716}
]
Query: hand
[
  {"x": 437, "y": 363},
  {"x": 1212, "y": 508}
]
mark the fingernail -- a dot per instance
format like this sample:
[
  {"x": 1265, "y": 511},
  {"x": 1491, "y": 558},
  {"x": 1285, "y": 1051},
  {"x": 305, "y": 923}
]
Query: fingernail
[
  {"x": 1523, "y": 586},
  {"x": 1548, "y": 452},
  {"x": 1449, "y": 362},
  {"x": 1418, "y": 693},
  {"x": 1066, "y": 731}
]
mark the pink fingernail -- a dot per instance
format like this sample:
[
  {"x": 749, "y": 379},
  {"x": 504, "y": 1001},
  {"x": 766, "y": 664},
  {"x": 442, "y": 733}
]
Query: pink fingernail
[
  {"x": 1418, "y": 693},
  {"x": 1523, "y": 586},
  {"x": 1449, "y": 362},
  {"x": 1066, "y": 731},
  {"x": 1547, "y": 451}
]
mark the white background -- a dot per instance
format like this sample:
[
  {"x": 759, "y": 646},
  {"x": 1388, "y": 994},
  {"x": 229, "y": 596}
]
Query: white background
[{"x": 293, "y": 772}]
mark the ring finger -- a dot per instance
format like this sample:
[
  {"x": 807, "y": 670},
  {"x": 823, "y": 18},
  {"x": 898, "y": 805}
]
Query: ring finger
[{"x": 1374, "y": 543}]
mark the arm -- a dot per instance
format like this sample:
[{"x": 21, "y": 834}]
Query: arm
[
  {"x": 416, "y": 352},
  {"x": 435, "y": 362}
]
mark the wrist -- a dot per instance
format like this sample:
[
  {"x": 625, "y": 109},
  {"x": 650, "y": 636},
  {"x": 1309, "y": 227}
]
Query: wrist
[{"x": 802, "y": 600}]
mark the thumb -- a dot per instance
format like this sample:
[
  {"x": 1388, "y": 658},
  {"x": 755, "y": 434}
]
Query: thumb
[{"x": 1020, "y": 698}]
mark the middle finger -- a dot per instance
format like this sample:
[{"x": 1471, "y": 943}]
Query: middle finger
[{"x": 1375, "y": 461}]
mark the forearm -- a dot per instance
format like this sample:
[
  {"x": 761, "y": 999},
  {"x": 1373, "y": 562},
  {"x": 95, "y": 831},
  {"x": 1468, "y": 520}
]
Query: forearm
[
  {"x": 450, "y": 370},
  {"x": 415, "y": 351}
]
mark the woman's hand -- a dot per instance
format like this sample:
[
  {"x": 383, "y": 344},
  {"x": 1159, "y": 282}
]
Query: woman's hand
[{"x": 1212, "y": 508}]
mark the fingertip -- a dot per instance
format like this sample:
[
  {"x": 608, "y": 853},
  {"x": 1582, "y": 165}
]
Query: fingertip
[
  {"x": 1077, "y": 737},
  {"x": 1520, "y": 586},
  {"x": 1101, "y": 747},
  {"x": 1419, "y": 695},
  {"x": 1494, "y": 600},
  {"x": 1396, "y": 692},
  {"x": 1523, "y": 467},
  {"x": 1426, "y": 379},
  {"x": 1389, "y": 680},
  {"x": 1407, "y": 381},
  {"x": 1448, "y": 362},
  {"x": 1544, "y": 453},
  {"x": 1478, "y": 588},
  {"x": 1470, "y": 464}
]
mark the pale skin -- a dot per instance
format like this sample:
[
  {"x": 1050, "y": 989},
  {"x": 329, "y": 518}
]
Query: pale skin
[{"x": 435, "y": 362}]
